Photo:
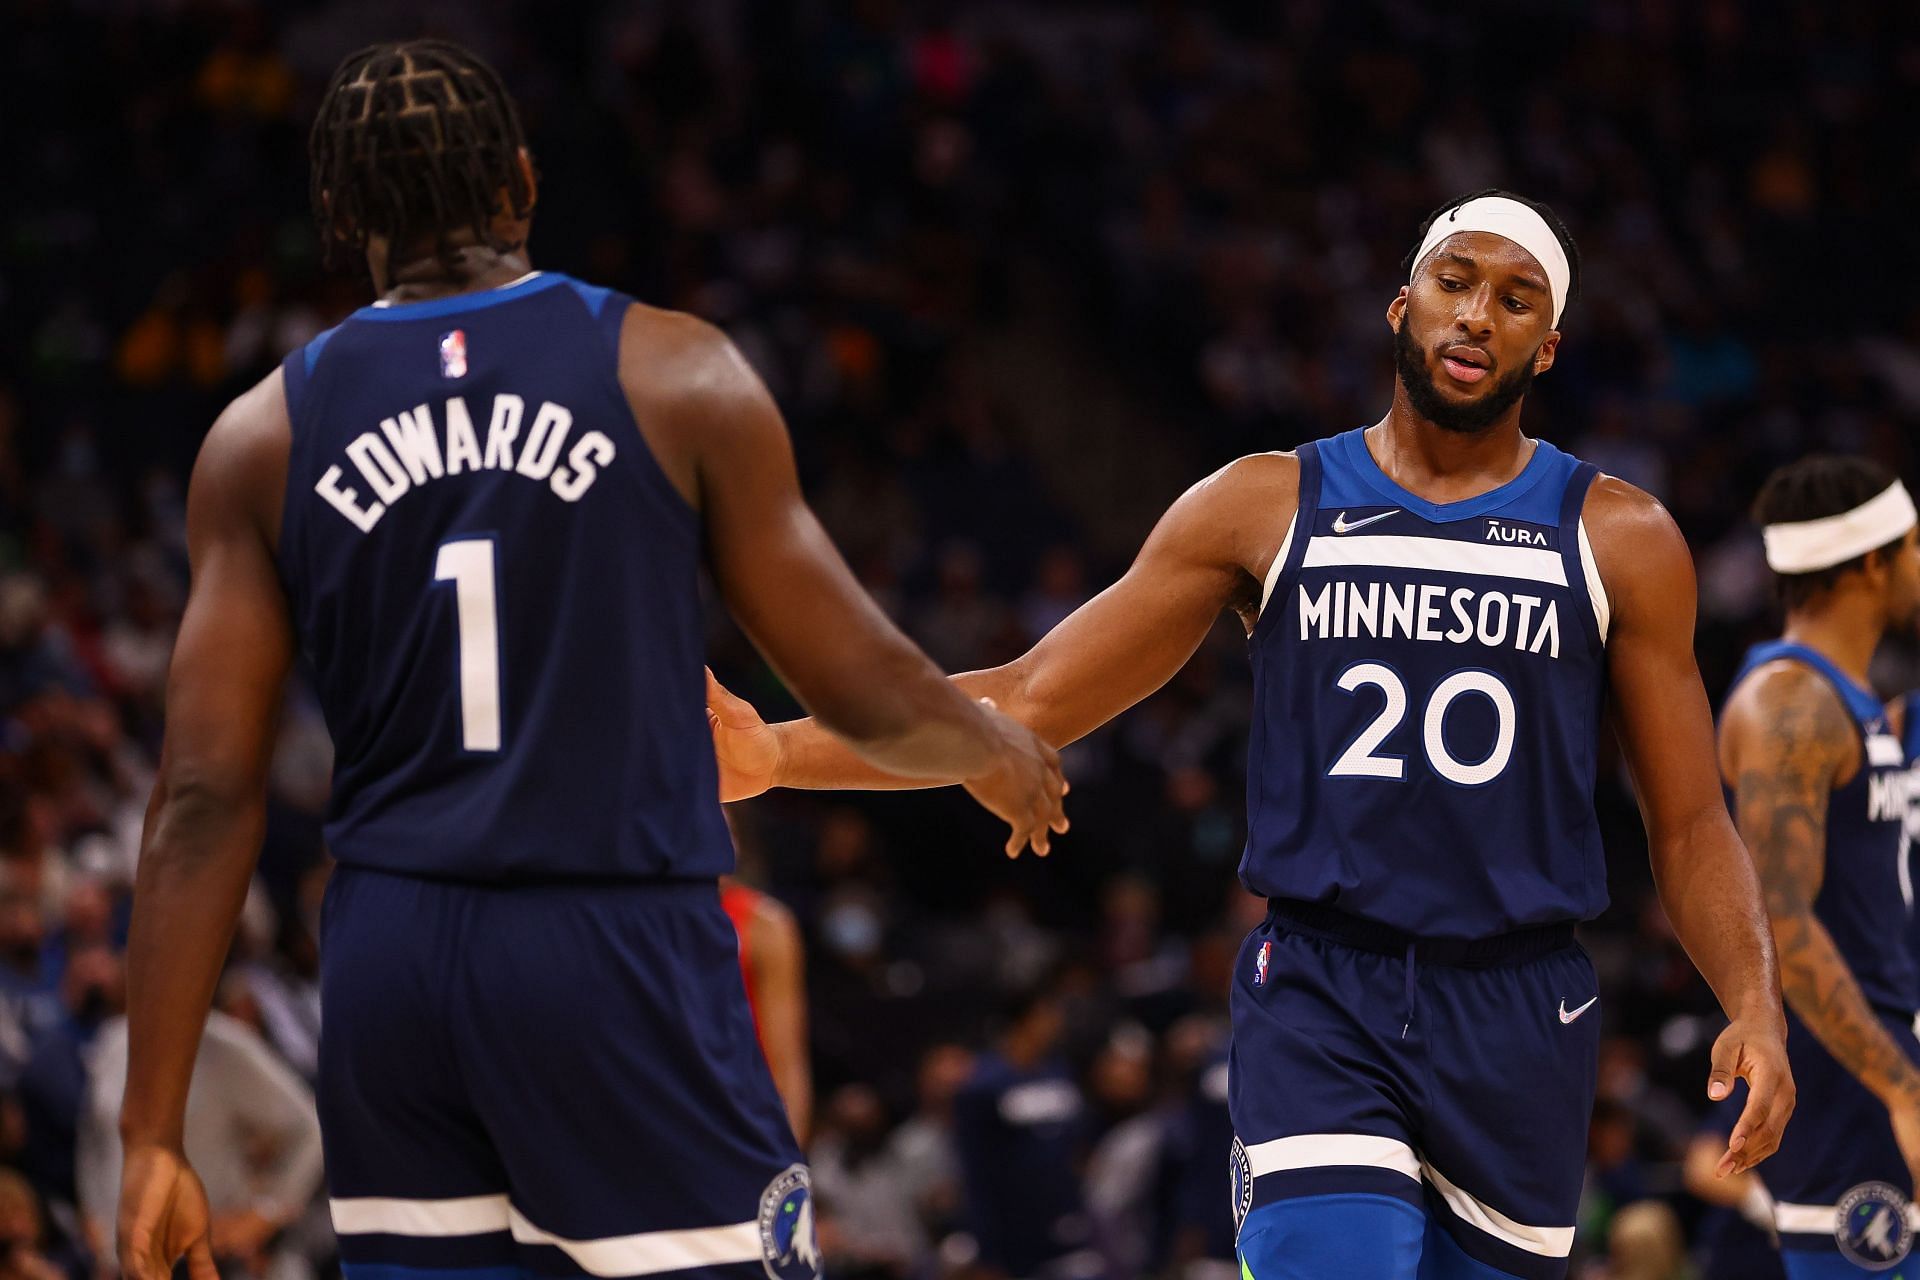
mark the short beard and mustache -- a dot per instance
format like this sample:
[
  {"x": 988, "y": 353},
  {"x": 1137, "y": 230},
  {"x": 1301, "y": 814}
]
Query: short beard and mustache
[{"x": 1424, "y": 395}]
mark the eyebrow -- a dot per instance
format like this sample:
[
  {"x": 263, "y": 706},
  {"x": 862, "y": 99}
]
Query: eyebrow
[{"x": 1524, "y": 280}]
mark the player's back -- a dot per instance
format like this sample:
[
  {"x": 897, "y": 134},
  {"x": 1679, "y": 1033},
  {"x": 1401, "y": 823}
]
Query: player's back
[
  {"x": 496, "y": 587},
  {"x": 1428, "y": 685}
]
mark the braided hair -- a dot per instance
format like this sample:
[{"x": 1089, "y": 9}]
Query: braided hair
[
  {"x": 415, "y": 140},
  {"x": 1814, "y": 487}
]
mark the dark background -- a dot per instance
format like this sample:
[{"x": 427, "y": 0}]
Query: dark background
[{"x": 1017, "y": 273}]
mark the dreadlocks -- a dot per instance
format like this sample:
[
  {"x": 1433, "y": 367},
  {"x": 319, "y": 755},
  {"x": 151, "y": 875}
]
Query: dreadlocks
[{"x": 415, "y": 140}]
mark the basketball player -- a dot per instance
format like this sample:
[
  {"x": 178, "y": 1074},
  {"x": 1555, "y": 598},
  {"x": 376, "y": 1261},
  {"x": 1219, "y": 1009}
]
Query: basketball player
[
  {"x": 1819, "y": 786},
  {"x": 479, "y": 507},
  {"x": 1440, "y": 610}
]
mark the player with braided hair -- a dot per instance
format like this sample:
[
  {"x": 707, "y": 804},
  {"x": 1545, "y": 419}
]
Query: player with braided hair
[{"x": 480, "y": 506}]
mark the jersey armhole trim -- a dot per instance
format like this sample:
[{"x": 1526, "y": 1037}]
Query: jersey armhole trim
[
  {"x": 1596, "y": 588},
  {"x": 1279, "y": 565}
]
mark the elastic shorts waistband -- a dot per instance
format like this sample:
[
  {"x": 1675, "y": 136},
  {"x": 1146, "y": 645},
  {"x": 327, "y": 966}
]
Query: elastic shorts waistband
[{"x": 1317, "y": 920}]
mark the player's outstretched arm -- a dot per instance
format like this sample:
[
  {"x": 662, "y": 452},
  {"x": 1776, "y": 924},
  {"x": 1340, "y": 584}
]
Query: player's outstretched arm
[
  {"x": 1705, "y": 877},
  {"x": 1785, "y": 743},
  {"x": 716, "y": 432},
  {"x": 1208, "y": 553},
  {"x": 205, "y": 820}
]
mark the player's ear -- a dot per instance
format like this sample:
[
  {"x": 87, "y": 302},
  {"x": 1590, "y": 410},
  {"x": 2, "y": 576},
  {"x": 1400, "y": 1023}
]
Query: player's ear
[
  {"x": 1543, "y": 358},
  {"x": 528, "y": 176},
  {"x": 1396, "y": 309}
]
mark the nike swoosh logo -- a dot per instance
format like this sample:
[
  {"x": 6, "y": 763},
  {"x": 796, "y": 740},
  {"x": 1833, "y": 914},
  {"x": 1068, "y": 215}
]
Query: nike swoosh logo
[
  {"x": 1567, "y": 1015},
  {"x": 1340, "y": 524}
]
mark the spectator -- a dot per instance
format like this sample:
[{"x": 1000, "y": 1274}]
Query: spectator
[
  {"x": 1020, "y": 1125},
  {"x": 259, "y": 1184}
]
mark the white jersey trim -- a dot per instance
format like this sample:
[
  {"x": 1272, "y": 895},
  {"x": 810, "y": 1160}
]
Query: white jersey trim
[
  {"x": 1819, "y": 1219},
  {"x": 1596, "y": 589},
  {"x": 644, "y": 1253},
  {"x": 1399, "y": 551},
  {"x": 384, "y": 1215},
  {"x": 1323, "y": 1150},
  {"x": 1547, "y": 1242},
  {"x": 1279, "y": 565},
  {"x": 1326, "y": 1150}
]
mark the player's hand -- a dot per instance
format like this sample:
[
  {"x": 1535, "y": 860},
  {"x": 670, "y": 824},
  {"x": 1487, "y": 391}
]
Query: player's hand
[
  {"x": 1025, "y": 787},
  {"x": 744, "y": 745},
  {"x": 1753, "y": 1049},
  {"x": 1906, "y": 1133},
  {"x": 163, "y": 1214}
]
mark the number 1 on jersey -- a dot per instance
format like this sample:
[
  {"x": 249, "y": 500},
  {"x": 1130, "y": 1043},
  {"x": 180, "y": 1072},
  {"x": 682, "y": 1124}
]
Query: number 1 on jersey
[{"x": 468, "y": 564}]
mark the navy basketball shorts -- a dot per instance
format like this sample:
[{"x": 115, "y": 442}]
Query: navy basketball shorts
[
  {"x": 1419, "y": 1115},
  {"x": 1842, "y": 1193},
  {"x": 552, "y": 1080}
]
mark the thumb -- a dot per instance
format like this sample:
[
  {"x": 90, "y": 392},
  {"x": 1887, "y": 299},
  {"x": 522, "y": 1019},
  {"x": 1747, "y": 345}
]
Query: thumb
[
  {"x": 1726, "y": 1063},
  {"x": 722, "y": 702}
]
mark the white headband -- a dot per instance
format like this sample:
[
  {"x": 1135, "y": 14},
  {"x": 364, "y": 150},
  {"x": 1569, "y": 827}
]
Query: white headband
[
  {"x": 1497, "y": 215},
  {"x": 1808, "y": 546}
]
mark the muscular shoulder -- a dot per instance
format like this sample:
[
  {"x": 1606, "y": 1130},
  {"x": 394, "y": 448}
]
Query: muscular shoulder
[
  {"x": 1642, "y": 557},
  {"x": 690, "y": 389},
  {"x": 1784, "y": 713},
  {"x": 241, "y": 472},
  {"x": 1242, "y": 511}
]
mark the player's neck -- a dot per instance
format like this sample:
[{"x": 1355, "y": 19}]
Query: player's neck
[
  {"x": 1447, "y": 466},
  {"x": 1845, "y": 630},
  {"x": 470, "y": 269}
]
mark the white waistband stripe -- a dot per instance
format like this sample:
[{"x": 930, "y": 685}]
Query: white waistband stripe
[
  {"x": 1548, "y": 1242},
  {"x": 381, "y": 1215},
  {"x": 1329, "y": 1150},
  {"x": 651, "y": 1252},
  {"x": 1321, "y": 1150},
  {"x": 645, "y": 1253},
  {"x": 1819, "y": 1219},
  {"x": 1532, "y": 564}
]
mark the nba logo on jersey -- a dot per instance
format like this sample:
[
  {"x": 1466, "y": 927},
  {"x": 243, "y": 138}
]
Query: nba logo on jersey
[
  {"x": 453, "y": 354},
  {"x": 1260, "y": 961}
]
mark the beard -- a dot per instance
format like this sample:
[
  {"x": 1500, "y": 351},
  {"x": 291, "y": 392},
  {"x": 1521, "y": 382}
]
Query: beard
[{"x": 1423, "y": 391}]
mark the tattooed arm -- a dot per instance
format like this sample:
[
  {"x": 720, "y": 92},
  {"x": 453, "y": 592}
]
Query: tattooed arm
[{"x": 1786, "y": 744}]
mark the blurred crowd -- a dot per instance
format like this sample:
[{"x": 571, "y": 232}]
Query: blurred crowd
[{"x": 1217, "y": 197}]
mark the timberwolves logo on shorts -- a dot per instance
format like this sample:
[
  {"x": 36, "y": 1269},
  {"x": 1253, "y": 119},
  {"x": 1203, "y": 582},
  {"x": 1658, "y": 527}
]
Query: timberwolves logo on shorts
[
  {"x": 1871, "y": 1225},
  {"x": 786, "y": 1227},
  {"x": 1242, "y": 1183}
]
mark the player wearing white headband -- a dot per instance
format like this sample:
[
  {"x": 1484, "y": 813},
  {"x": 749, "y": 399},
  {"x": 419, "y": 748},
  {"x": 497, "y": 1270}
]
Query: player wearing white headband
[
  {"x": 1439, "y": 609},
  {"x": 1818, "y": 779}
]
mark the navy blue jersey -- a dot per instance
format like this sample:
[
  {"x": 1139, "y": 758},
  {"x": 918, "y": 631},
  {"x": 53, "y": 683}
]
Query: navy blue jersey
[
  {"x": 1428, "y": 681},
  {"x": 1910, "y": 843},
  {"x": 497, "y": 589},
  {"x": 1860, "y": 900}
]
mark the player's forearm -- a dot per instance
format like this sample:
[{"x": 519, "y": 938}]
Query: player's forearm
[
  {"x": 813, "y": 758},
  {"x": 1708, "y": 888},
  {"x": 192, "y": 880},
  {"x": 1827, "y": 997}
]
